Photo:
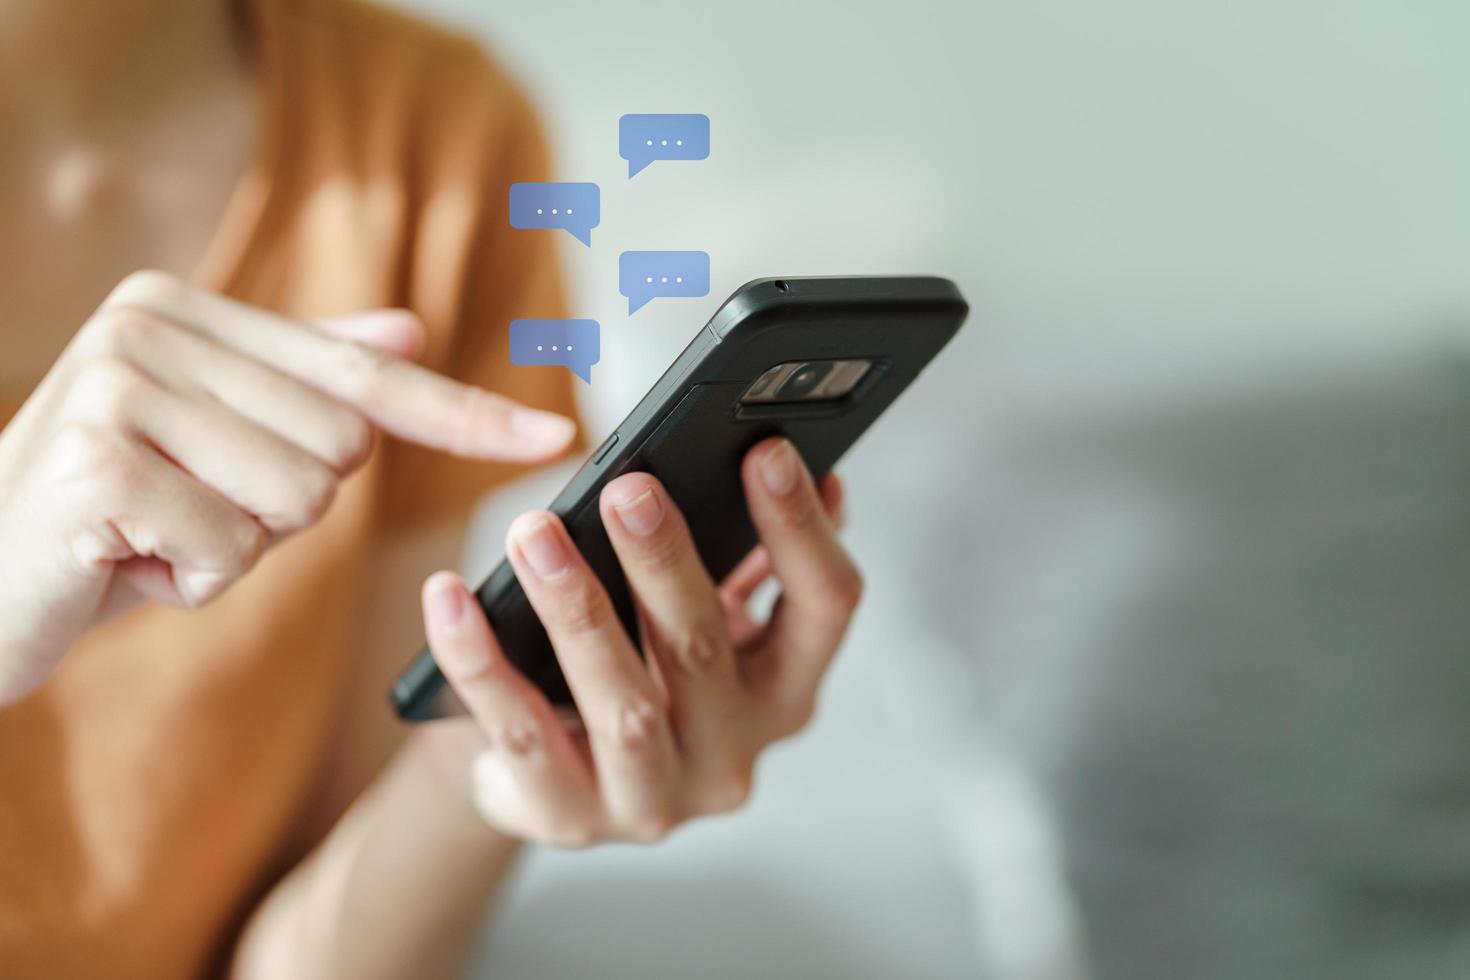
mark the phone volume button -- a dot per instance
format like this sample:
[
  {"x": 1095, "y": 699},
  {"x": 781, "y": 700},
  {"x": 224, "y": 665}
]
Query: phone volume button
[{"x": 604, "y": 449}]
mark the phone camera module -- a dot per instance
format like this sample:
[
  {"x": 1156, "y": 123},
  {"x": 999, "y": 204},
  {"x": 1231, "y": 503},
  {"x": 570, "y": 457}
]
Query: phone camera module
[{"x": 804, "y": 380}]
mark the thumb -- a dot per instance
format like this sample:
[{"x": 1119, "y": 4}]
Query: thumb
[{"x": 397, "y": 332}]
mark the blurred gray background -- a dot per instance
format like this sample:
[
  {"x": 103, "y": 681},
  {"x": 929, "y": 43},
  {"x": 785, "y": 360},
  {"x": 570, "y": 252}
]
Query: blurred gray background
[{"x": 1163, "y": 670}]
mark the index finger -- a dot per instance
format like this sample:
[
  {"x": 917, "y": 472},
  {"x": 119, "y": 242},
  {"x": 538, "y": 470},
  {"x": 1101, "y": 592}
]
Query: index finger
[{"x": 397, "y": 396}]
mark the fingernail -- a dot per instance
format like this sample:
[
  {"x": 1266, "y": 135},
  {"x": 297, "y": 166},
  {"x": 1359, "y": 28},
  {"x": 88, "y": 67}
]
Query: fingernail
[
  {"x": 643, "y": 514},
  {"x": 446, "y": 602},
  {"x": 543, "y": 550},
  {"x": 547, "y": 428},
  {"x": 458, "y": 653},
  {"x": 778, "y": 469}
]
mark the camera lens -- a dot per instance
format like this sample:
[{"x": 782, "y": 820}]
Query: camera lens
[
  {"x": 762, "y": 383},
  {"x": 804, "y": 380}
]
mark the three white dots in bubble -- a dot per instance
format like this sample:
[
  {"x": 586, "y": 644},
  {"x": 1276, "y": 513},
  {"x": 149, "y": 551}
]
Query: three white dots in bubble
[
  {"x": 663, "y": 142},
  {"x": 553, "y": 347}
]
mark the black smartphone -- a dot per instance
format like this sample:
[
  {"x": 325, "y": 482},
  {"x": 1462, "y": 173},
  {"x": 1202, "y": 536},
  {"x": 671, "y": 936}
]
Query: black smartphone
[{"x": 816, "y": 360}]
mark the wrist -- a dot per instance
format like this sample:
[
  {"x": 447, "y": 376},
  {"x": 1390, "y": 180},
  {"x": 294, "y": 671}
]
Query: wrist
[{"x": 441, "y": 754}]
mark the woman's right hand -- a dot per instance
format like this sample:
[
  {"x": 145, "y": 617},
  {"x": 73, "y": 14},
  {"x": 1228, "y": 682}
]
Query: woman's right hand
[{"x": 181, "y": 434}]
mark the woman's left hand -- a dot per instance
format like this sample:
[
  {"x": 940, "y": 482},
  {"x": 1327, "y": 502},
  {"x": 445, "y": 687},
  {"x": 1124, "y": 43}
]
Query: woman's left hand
[{"x": 675, "y": 734}]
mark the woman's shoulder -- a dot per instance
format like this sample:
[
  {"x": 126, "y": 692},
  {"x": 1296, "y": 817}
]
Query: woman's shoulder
[{"x": 384, "y": 67}]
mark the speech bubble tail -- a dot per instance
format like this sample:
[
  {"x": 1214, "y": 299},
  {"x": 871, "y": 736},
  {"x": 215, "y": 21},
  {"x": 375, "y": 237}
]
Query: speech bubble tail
[
  {"x": 634, "y": 167},
  {"x": 583, "y": 235},
  {"x": 582, "y": 371},
  {"x": 636, "y": 303}
]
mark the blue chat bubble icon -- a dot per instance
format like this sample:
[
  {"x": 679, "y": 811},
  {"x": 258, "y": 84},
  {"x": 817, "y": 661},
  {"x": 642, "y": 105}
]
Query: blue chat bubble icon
[
  {"x": 573, "y": 344},
  {"x": 576, "y": 208},
  {"x": 644, "y": 137},
  {"x": 643, "y": 276}
]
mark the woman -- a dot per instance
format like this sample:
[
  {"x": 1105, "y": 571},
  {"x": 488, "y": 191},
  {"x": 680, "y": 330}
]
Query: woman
[{"x": 211, "y": 574}]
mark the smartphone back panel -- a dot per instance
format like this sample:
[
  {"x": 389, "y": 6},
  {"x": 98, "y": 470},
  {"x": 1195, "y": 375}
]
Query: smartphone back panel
[{"x": 692, "y": 430}]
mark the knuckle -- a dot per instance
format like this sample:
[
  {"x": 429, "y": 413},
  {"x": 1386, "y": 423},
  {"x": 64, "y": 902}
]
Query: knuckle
[
  {"x": 320, "y": 495},
  {"x": 246, "y": 545},
  {"x": 105, "y": 389},
  {"x": 701, "y": 646},
  {"x": 93, "y": 454},
  {"x": 582, "y": 607},
  {"x": 352, "y": 443},
  {"x": 238, "y": 544},
  {"x": 663, "y": 553},
  {"x": 729, "y": 787},
  {"x": 310, "y": 500},
  {"x": 517, "y": 737},
  {"x": 636, "y": 726},
  {"x": 148, "y": 287},
  {"x": 190, "y": 601},
  {"x": 653, "y": 826},
  {"x": 358, "y": 369},
  {"x": 473, "y": 408},
  {"x": 797, "y": 717},
  {"x": 202, "y": 591},
  {"x": 571, "y": 833},
  {"x": 844, "y": 588},
  {"x": 113, "y": 330}
]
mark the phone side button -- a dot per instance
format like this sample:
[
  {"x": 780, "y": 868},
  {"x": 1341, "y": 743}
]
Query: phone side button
[{"x": 604, "y": 449}]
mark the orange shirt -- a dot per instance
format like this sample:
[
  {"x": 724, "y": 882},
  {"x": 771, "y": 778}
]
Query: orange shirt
[{"x": 155, "y": 786}]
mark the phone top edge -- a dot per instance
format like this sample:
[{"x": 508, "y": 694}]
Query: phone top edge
[{"x": 759, "y": 296}]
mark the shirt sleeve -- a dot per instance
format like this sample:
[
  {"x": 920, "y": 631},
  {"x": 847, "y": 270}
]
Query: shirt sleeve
[{"x": 470, "y": 275}]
